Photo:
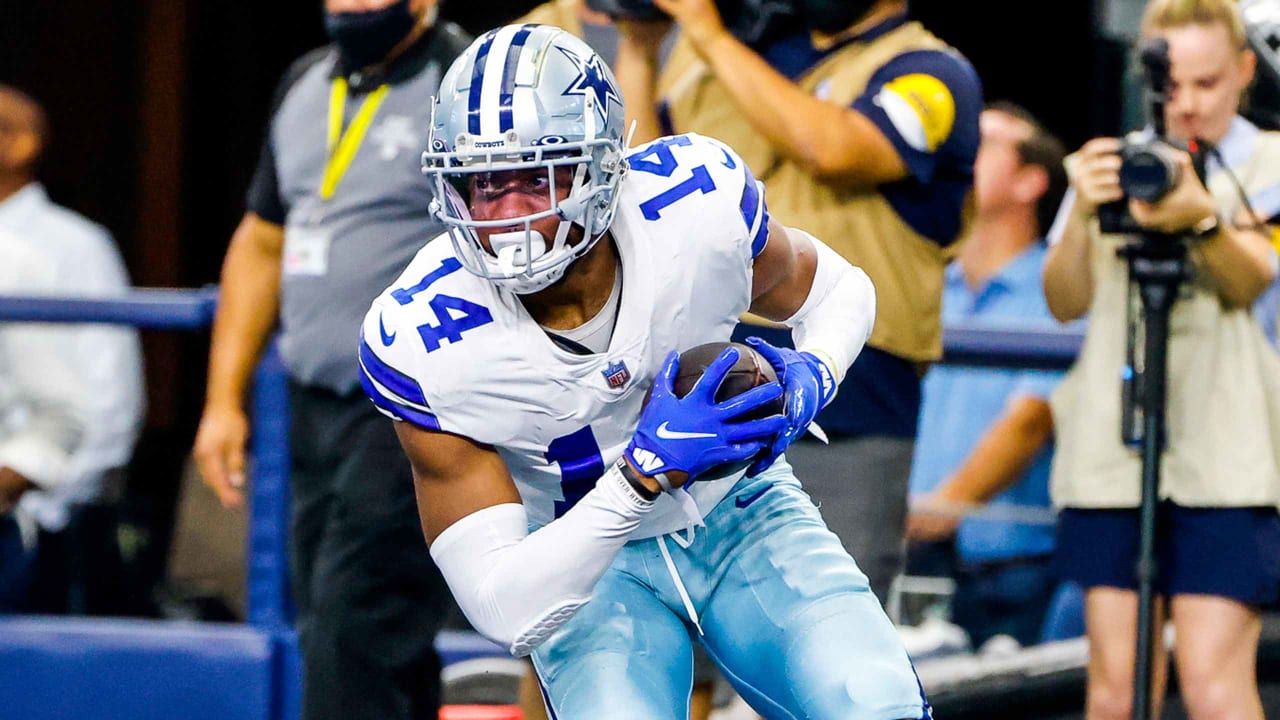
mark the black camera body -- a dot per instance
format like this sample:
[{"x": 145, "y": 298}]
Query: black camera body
[{"x": 1149, "y": 170}]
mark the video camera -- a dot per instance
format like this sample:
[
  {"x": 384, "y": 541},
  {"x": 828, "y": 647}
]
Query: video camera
[
  {"x": 1149, "y": 168},
  {"x": 751, "y": 21}
]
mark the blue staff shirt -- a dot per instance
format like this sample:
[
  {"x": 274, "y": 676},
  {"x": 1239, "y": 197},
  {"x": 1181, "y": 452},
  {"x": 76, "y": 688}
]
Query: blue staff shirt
[{"x": 961, "y": 403}]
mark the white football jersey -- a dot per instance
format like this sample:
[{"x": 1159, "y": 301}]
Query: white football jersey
[{"x": 449, "y": 351}]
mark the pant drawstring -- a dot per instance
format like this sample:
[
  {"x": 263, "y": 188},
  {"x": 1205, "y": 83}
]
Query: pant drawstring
[{"x": 675, "y": 574}]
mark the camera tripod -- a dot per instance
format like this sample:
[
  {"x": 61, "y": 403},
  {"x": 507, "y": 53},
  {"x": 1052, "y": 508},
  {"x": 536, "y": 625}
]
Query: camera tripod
[{"x": 1158, "y": 266}]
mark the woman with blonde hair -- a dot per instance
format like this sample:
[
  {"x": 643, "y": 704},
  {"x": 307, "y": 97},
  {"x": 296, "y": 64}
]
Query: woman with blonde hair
[{"x": 1218, "y": 532}]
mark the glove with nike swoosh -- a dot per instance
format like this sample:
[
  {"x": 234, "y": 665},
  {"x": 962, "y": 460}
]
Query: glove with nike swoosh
[
  {"x": 809, "y": 387},
  {"x": 695, "y": 433}
]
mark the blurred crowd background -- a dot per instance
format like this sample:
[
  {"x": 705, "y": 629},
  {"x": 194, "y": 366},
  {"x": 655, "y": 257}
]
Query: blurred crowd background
[
  {"x": 157, "y": 110},
  {"x": 156, "y": 115}
]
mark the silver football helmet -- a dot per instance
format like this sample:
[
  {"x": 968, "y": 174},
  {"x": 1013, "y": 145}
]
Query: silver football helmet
[{"x": 522, "y": 97}]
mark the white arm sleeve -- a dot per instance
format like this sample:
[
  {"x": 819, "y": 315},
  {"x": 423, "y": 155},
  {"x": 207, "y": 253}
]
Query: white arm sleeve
[
  {"x": 516, "y": 588},
  {"x": 836, "y": 318}
]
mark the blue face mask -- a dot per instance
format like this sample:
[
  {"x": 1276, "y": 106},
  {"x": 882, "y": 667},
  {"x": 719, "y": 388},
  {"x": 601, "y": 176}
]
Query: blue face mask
[{"x": 365, "y": 38}]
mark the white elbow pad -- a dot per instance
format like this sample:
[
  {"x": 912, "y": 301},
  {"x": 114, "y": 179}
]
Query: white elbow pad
[{"x": 837, "y": 317}]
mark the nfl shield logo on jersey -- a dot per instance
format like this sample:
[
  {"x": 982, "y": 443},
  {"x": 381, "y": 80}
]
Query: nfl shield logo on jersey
[{"x": 617, "y": 374}]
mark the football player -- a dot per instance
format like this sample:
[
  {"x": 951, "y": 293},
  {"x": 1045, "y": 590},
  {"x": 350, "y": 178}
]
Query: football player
[{"x": 572, "y": 520}]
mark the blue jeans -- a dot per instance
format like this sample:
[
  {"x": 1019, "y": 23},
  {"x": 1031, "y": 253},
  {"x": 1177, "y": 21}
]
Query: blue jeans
[{"x": 784, "y": 612}]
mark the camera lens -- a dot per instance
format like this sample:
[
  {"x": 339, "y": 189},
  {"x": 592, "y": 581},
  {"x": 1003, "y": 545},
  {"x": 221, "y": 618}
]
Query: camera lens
[{"x": 1149, "y": 171}]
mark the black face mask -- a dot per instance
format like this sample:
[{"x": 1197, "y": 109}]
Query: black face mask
[
  {"x": 832, "y": 16},
  {"x": 365, "y": 38}
]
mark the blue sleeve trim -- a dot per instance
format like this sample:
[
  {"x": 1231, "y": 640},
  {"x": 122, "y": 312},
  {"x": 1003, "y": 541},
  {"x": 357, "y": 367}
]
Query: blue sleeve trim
[
  {"x": 761, "y": 239},
  {"x": 418, "y": 417},
  {"x": 405, "y": 388},
  {"x": 966, "y": 91},
  {"x": 753, "y": 207}
]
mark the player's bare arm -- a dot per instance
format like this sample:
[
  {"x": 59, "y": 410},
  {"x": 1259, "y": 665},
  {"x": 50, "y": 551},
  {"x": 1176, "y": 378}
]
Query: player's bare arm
[
  {"x": 453, "y": 477},
  {"x": 782, "y": 274}
]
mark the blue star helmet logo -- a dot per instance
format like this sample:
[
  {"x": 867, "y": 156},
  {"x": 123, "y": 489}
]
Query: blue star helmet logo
[{"x": 592, "y": 78}]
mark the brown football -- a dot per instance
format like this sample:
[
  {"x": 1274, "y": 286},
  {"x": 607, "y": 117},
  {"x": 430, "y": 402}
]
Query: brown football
[{"x": 750, "y": 371}]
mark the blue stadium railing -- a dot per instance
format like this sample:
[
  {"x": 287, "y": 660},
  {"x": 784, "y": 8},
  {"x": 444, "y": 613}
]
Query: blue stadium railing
[{"x": 40, "y": 643}]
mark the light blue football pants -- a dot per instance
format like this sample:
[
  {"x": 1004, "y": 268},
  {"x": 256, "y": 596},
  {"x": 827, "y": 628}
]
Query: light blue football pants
[{"x": 784, "y": 611}]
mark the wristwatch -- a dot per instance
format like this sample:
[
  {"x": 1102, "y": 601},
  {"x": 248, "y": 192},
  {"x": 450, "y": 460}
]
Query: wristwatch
[{"x": 1206, "y": 228}]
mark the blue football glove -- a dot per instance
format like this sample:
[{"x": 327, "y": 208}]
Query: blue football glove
[
  {"x": 695, "y": 433},
  {"x": 809, "y": 387}
]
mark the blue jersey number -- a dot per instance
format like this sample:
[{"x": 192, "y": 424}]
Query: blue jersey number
[
  {"x": 581, "y": 466},
  {"x": 468, "y": 314},
  {"x": 658, "y": 159}
]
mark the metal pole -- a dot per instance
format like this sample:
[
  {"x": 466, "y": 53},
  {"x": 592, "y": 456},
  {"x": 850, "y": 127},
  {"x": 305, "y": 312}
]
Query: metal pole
[{"x": 1158, "y": 280}]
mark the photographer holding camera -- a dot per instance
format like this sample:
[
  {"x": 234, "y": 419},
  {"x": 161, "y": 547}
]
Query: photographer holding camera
[{"x": 1218, "y": 532}]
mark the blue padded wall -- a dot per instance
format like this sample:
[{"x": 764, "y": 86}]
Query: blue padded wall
[{"x": 82, "y": 669}]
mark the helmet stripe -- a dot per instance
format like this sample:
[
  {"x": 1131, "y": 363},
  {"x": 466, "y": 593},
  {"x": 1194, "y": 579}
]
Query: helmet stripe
[
  {"x": 491, "y": 85},
  {"x": 477, "y": 77},
  {"x": 509, "y": 77}
]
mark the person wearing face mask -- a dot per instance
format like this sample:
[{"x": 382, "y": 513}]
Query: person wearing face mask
[
  {"x": 1217, "y": 537},
  {"x": 336, "y": 208},
  {"x": 864, "y": 127}
]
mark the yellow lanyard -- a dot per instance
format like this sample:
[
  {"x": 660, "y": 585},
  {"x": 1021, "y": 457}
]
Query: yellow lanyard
[{"x": 341, "y": 147}]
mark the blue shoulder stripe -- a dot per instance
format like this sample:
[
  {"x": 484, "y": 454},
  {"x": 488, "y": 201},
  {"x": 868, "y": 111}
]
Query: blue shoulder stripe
[
  {"x": 421, "y": 418},
  {"x": 753, "y": 205},
  {"x": 404, "y": 387}
]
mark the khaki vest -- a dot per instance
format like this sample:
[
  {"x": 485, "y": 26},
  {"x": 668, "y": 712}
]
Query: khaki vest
[
  {"x": 1223, "y": 414},
  {"x": 906, "y": 267}
]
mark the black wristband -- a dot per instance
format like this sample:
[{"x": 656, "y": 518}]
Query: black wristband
[{"x": 640, "y": 488}]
